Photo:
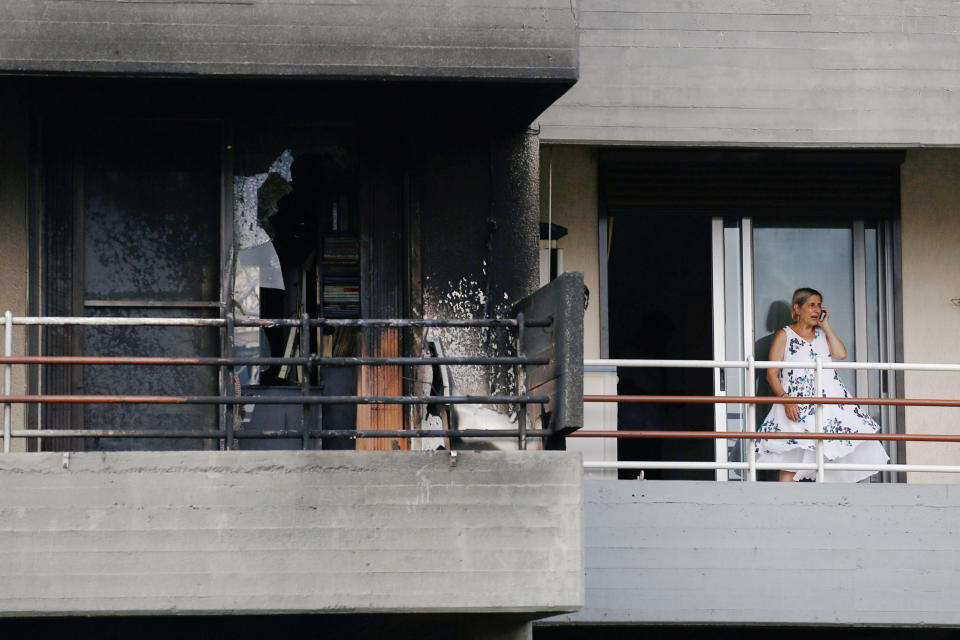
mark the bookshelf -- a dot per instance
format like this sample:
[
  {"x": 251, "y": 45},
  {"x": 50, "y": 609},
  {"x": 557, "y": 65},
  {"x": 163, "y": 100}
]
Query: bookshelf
[{"x": 339, "y": 280}]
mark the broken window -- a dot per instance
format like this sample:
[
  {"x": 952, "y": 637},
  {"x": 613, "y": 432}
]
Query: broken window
[{"x": 297, "y": 251}]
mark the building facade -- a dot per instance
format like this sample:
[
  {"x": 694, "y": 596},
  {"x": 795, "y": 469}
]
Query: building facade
[
  {"x": 702, "y": 158},
  {"x": 216, "y": 166},
  {"x": 713, "y": 157}
]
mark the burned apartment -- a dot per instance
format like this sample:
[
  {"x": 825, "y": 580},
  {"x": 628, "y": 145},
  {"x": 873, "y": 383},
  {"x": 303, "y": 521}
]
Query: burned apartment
[{"x": 237, "y": 230}]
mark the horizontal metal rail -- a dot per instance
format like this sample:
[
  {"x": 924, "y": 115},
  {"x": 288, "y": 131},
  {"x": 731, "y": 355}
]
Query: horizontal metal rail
[
  {"x": 217, "y": 434},
  {"x": 255, "y": 399},
  {"x": 385, "y": 323},
  {"x": 767, "y": 466},
  {"x": 772, "y": 364},
  {"x": 764, "y": 435},
  {"x": 302, "y": 395},
  {"x": 897, "y": 402},
  {"x": 819, "y": 435},
  {"x": 319, "y": 361}
]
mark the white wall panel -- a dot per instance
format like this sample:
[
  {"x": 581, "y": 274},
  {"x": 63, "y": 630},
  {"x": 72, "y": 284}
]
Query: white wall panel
[
  {"x": 770, "y": 553},
  {"x": 772, "y": 72}
]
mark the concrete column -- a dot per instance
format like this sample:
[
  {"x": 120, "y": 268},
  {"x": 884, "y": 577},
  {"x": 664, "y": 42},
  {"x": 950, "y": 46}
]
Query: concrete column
[
  {"x": 14, "y": 132},
  {"x": 930, "y": 214}
]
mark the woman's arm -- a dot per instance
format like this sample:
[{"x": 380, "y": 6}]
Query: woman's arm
[
  {"x": 837, "y": 350},
  {"x": 776, "y": 353},
  {"x": 773, "y": 375}
]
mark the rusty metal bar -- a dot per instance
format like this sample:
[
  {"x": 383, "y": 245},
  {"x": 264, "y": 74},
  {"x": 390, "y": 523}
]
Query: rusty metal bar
[
  {"x": 269, "y": 361},
  {"x": 896, "y": 402},
  {"x": 278, "y": 434},
  {"x": 764, "y": 435},
  {"x": 121, "y": 399}
]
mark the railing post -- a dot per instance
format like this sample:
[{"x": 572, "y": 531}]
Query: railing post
[
  {"x": 304, "y": 378},
  {"x": 818, "y": 414},
  {"x": 229, "y": 375},
  {"x": 522, "y": 412},
  {"x": 7, "y": 379},
  {"x": 751, "y": 423}
]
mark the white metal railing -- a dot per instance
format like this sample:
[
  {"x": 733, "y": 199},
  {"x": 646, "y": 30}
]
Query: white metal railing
[
  {"x": 7, "y": 378},
  {"x": 751, "y": 465}
]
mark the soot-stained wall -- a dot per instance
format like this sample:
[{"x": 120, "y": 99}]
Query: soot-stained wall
[
  {"x": 465, "y": 214},
  {"x": 478, "y": 240}
]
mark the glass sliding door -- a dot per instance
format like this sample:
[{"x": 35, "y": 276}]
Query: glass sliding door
[
  {"x": 730, "y": 333},
  {"x": 149, "y": 225},
  {"x": 786, "y": 257}
]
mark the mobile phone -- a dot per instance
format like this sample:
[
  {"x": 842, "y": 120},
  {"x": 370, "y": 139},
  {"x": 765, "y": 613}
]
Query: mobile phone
[{"x": 823, "y": 314}]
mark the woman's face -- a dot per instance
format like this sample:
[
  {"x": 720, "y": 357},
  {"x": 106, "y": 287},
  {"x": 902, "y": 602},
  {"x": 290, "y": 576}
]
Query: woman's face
[{"x": 809, "y": 311}]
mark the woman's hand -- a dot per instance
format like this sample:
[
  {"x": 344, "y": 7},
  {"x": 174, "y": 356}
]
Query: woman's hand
[
  {"x": 792, "y": 411},
  {"x": 837, "y": 349}
]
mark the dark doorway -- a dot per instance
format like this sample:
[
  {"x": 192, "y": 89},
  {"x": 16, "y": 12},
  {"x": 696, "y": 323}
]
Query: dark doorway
[
  {"x": 660, "y": 307},
  {"x": 151, "y": 220}
]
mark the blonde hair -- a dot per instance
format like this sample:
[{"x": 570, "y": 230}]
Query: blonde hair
[{"x": 800, "y": 297}]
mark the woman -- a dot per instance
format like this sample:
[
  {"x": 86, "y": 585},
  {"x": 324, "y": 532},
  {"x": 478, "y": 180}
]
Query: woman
[{"x": 810, "y": 336}]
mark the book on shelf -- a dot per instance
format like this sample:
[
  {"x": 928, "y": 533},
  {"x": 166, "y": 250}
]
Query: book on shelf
[{"x": 340, "y": 276}]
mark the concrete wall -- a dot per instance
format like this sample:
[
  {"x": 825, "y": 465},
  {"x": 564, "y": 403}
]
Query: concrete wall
[
  {"x": 930, "y": 182},
  {"x": 568, "y": 197},
  {"x": 14, "y": 128},
  {"x": 382, "y": 38},
  {"x": 574, "y": 206},
  {"x": 308, "y": 532},
  {"x": 741, "y": 553},
  {"x": 780, "y": 72}
]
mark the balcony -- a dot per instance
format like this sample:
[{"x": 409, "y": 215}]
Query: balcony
[
  {"x": 494, "y": 534},
  {"x": 774, "y": 554}
]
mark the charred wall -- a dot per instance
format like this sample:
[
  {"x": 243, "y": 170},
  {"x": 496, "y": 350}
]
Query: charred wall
[
  {"x": 523, "y": 39},
  {"x": 478, "y": 238},
  {"x": 450, "y": 178}
]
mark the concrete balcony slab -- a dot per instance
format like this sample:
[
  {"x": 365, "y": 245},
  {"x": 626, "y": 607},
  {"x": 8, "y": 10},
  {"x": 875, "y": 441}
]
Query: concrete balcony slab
[{"x": 262, "y": 532}]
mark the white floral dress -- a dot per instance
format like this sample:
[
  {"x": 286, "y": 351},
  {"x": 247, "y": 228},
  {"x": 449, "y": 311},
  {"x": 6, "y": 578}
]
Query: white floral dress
[{"x": 844, "y": 418}]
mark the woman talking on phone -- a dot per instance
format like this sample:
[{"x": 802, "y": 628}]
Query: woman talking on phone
[{"x": 810, "y": 336}]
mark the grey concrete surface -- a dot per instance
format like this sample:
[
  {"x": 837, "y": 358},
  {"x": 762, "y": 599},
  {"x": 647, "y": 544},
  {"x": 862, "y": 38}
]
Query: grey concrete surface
[
  {"x": 290, "y": 532},
  {"x": 380, "y": 38},
  {"x": 14, "y": 254},
  {"x": 457, "y": 626},
  {"x": 779, "y": 72},
  {"x": 770, "y": 553}
]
